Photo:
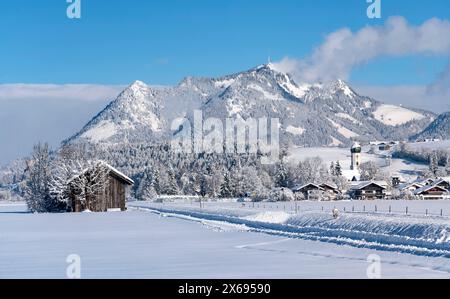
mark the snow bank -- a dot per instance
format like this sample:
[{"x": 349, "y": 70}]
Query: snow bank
[
  {"x": 270, "y": 217},
  {"x": 429, "y": 236}
]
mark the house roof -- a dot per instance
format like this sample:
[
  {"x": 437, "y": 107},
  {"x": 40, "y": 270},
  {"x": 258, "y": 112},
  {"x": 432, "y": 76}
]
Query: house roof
[
  {"x": 363, "y": 185},
  {"x": 439, "y": 181},
  {"x": 306, "y": 185},
  {"x": 428, "y": 187},
  {"x": 119, "y": 174},
  {"x": 332, "y": 186},
  {"x": 407, "y": 185}
]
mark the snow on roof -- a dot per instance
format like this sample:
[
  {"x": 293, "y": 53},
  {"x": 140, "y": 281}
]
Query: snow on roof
[
  {"x": 363, "y": 185},
  {"x": 356, "y": 145},
  {"x": 112, "y": 170},
  {"x": 428, "y": 187},
  {"x": 306, "y": 185},
  {"x": 330, "y": 185},
  {"x": 407, "y": 185},
  {"x": 440, "y": 180},
  {"x": 119, "y": 174},
  {"x": 350, "y": 174}
]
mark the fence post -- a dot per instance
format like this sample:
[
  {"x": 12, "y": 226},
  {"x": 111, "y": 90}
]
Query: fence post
[
  {"x": 406, "y": 210},
  {"x": 426, "y": 212},
  {"x": 390, "y": 209},
  {"x": 364, "y": 208},
  {"x": 376, "y": 208},
  {"x": 442, "y": 212}
]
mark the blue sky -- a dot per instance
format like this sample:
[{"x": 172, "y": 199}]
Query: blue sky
[{"x": 160, "y": 42}]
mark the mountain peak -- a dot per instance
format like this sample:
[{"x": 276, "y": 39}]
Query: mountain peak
[
  {"x": 138, "y": 85},
  {"x": 341, "y": 86}
]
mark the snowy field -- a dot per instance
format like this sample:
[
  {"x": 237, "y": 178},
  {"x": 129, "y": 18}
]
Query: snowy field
[{"x": 144, "y": 244}]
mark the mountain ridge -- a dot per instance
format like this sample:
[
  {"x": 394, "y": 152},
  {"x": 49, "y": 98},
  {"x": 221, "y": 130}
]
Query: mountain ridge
[
  {"x": 321, "y": 114},
  {"x": 438, "y": 129}
]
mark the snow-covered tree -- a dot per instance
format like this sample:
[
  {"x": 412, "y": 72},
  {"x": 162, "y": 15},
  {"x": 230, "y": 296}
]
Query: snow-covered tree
[
  {"x": 91, "y": 182},
  {"x": 282, "y": 194},
  {"x": 332, "y": 169},
  {"x": 369, "y": 171},
  {"x": 338, "y": 169},
  {"x": 226, "y": 187},
  {"x": 434, "y": 164},
  {"x": 37, "y": 191},
  {"x": 281, "y": 178}
]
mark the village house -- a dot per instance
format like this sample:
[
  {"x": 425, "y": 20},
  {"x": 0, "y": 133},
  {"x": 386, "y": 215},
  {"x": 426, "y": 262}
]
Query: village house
[
  {"x": 432, "y": 192},
  {"x": 441, "y": 182},
  {"x": 384, "y": 147},
  {"x": 331, "y": 191},
  {"x": 310, "y": 191},
  {"x": 99, "y": 196},
  {"x": 412, "y": 187},
  {"x": 315, "y": 192},
  {"x": 369, "y": 191},
  {"x": 398, "y": 180}
]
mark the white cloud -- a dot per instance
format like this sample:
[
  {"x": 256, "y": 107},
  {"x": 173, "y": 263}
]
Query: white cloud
[
  {"x": 343, "y": 50},
  {"x": 30, "y": 113},
  {"x": 79, "y": 92}
]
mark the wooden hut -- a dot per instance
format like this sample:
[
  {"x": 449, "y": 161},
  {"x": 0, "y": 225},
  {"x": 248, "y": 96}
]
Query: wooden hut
[{"x": 99, "y": 188}]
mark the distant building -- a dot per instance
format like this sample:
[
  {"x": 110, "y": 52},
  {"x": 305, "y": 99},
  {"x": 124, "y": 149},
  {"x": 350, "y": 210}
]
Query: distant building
[
  {"x": 310, "y": 191},
  {"x": 412, "y": 187},
  {"x": 315, "y": 192},
  {"x": 331, "y": 191},
  {"x": 369, "y": 191},
  {"x": 444, "y": 183},
  {"x": 397, "y": 180},
  {"x": 384, "y": 147},
  {"x": 432, "y": 192}
]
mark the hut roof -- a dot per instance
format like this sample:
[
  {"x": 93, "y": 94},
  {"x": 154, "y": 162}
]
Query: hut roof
[{"x": 112, "y": 171}]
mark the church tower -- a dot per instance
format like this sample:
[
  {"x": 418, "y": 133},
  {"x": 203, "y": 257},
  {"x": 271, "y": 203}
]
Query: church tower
[{"x": 356, "y": 156}]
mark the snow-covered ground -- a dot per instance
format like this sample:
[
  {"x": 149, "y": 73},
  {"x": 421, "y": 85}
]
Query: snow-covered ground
[
  {"x": 432, "y": 145},
  {"x": 395, "y": 115},
  {"x": 143, "y": 244},
  {"x": 384, "y": 225}
]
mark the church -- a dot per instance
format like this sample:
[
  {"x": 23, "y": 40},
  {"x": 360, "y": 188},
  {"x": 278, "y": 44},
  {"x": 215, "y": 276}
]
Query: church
[{"x": 353, "y": 174}]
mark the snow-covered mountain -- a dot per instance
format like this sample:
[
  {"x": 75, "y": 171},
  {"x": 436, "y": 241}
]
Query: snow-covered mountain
[
  {"x": 438, "y": 129},
  {"x": 330, "y": 114}
]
